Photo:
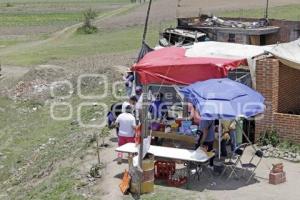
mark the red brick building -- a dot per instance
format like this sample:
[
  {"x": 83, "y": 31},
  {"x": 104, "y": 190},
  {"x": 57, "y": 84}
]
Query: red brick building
[{"x": 280, "y": 85}]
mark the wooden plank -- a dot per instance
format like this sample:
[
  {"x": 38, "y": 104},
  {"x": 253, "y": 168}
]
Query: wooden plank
[{"x": 175, "y": 136}]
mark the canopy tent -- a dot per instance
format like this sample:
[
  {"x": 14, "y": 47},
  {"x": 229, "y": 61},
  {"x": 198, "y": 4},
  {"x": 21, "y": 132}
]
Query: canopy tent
[
  {"x": 288, "y": 53},
  {"x": 229, "y": 51},
  {"x": 170, "y": 65}
]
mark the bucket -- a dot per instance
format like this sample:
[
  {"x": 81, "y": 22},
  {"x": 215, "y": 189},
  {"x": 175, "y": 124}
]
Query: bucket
[
  {"x": 147, "y": 185},
  {"x": 218, "y": 165}
]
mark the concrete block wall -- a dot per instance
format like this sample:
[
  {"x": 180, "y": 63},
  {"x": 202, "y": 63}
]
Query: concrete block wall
[{"x": 289, "y": 31}]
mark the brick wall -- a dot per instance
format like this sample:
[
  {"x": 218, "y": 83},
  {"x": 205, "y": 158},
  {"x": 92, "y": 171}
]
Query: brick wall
[
  {"x": 289, "y": 89},
  {"x": 268, "y": 82},
  {"x": 288, "y": 126}
]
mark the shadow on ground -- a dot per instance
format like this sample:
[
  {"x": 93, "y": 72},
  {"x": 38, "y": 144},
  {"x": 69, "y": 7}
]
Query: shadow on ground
[{"x": 214, "y": 182}]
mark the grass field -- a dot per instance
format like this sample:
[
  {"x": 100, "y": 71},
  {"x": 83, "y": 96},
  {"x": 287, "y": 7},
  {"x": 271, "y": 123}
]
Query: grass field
[
  {"x": 29, "y": 153},
  {"x": 8, "y": 20},
  {"x": 42, "y": 18},
  {"x": 117, "y": 41},
  {"x": 78, "y": 44}
]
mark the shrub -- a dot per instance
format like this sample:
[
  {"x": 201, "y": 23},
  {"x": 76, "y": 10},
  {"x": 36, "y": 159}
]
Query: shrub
[
  {"x": 9, "y": 5},
  {"x": 289, "y": 146},
  {"x": 87, "y": 27},
  {"x": 270, "y": 137},
  {"x": 105, "y": 132}
]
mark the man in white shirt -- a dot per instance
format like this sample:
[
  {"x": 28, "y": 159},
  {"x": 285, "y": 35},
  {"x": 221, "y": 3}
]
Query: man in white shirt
[{"x": 127, "y": 125}]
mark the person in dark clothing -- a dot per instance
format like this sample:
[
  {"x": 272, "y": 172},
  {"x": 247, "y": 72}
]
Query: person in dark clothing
[
  {"x": 158, "y": 108},
  {"x": 207, "y": 129}
]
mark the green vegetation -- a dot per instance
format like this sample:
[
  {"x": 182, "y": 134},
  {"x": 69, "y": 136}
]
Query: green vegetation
[
  {"x": 87, "y": 27},
  {"x": 10, "y": 42},
  {"x": 33, "y": 144},
  {"x": 269, "y": 137},
  {"x": 59, "y": 1},
  {"x": 290, "y": 146},
  {"x": 104, "y": 41},
  {"x": 289, "y": 12},
  {"x": 60, "y": 186},
  {"x": 38, "y": 19},
  {"x": 27, "y": 127},
  {"x": 104, "y": 133}
]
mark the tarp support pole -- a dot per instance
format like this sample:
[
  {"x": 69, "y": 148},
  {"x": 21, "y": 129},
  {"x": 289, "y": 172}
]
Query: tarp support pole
[
  {"x": 144, "y": 123},
  {"x": 220, "y": 133},
  {"x": 247, "y": 138}
]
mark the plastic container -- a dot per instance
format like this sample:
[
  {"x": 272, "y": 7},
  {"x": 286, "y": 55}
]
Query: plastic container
[{"x": 148, "y": 177}]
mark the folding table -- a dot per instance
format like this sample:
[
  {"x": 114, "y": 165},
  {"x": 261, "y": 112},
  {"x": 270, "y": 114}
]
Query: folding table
[{"x": 189, "y": 156}]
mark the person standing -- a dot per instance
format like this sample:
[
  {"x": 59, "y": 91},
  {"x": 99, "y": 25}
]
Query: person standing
[
  {"x": 131, "y": 102},
  {"x": 126, "y": 124},
  {"x": 128, "y": 79},
  {"x": 207, "y": 138},
  {"x": 193, "y": 114},
  {"x": 158, "y": 108}
]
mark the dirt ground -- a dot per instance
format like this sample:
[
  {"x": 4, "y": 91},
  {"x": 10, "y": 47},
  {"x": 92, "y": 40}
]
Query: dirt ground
[
  {"x": 208, "y": 188},
  {"x": 107, "y": 186},
  {"x": 166, "y": 10}
]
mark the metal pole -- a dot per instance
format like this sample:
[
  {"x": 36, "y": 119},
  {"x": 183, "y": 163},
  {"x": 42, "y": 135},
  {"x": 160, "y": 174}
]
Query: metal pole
[
  {"x": 220, "y": 133},
  {"x": 146, "y": 22},
  {"x": 143, "y": 133},
  {"x": 245, "y": 135},
  {"x": 267, "y": 10}
]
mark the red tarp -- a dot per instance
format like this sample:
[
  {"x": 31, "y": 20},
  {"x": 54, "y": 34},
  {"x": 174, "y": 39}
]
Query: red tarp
[{"x": 170, "y": 66}]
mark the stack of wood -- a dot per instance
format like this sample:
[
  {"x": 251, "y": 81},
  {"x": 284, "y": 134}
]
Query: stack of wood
[{"x": 277, "y": 175}]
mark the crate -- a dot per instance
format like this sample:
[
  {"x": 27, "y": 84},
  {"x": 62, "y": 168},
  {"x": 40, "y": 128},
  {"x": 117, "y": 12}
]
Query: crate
[
  {"x": 163, "y": 169},
  {"x": 177, "y": 183}
]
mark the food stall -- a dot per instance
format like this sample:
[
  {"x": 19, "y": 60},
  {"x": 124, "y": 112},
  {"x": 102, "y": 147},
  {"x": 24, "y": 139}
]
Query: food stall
[{"x": 170, "y": 67}]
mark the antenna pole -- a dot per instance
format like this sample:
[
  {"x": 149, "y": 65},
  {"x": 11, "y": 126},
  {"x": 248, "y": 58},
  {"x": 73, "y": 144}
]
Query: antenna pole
[{"x": 267, "y": 10}]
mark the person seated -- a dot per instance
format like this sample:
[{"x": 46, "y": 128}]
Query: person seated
[
  {"x": 158, "y": 108},
  {"x": 229, "y": 133}
]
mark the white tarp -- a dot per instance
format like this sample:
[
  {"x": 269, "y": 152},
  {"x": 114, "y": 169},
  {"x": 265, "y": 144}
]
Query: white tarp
[
  {"x": 288, "y": 53},
  {"x": 229, "y": 50}
]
